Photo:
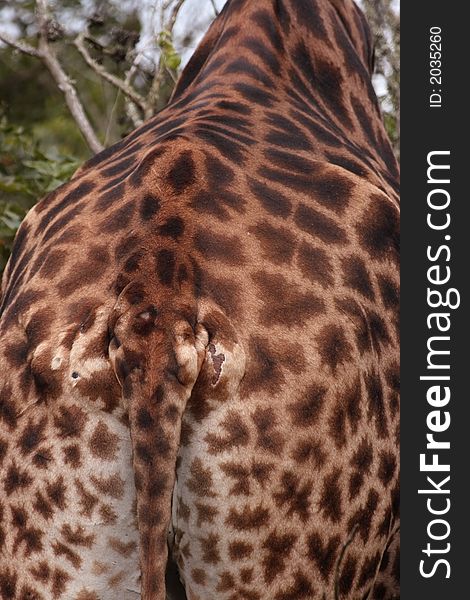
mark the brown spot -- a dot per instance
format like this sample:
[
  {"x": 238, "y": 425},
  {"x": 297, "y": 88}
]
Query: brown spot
[
  {"x": 331, "y": 498},
  {"x": 112, "y": 485},
  {"x": 241, "y": 475},
  {"x": 246, "y": 575},
  {"x": 7, "y": 407},
  {"x": 357, "y": 277},
  {"x": 183, "y": 510},
  {"x": 323, "y": 553},
  {"x": 173, "y": 227},
  {"x": 56, "y": 492},
  {"x": 8, "y": 581},
  {"x": 183, "y": 172},
  {"x": 165, "y": 266},
  {"x": 3, "y": 450},
  {"x": 116, "y": 579},
  {"x": 226, "y": 583},
  {"x": 262, "y": 472},
  {"x": 268, "y": 361},
  {"x": 347, "y": 575},
  {"x": 271, "y": 199},
  {"x": 301, "y": 588},
  {"x": 30, "y": 536},
  {"x": 99, "y": 568},
  {"x": 315, "y": 265},
  {"x": 149, "y": 207},
  {"x": 363, "y": 517},
  {"x": 59, "y": 582},
  {"x": 172, "y": 413},
  {"x": 294, "y": 495},
  {"x": 356, "y": 481},
  {"x": 355, "y": 314},
  {"x": 16, "y": 479},
  {"x": 17, "y": 354},
  {"x": 205, "y": 513},
  {"x": 319, "y": 226},
  {"x": 70, "y": 421},
  {"x": 239, "y": 550},
  {"x": 122, "y": 548},
  {"x": 248, "y": 518},
  {"x": 86, "y": 500},
  {"x": 27, "y": 593},
  {"x": 378, "y": 230},
  {"x": 41, "y": 572},
  {"x": 86, "y": 595},
  {"x": 237, "y": 435},
  {"x": 144, "y": 419},
  {"x": 337, "y": 426},
  {"x": 268, "y": 437},
  {"x": 309, "y": 451},
  {"x": 107, "y": 513},
  {"x": 72, "y": 455},
  {"x": 210, "y": 552},
  {"x": 387, "y": 467},
  {"x": 43, "y": 506},
  {"x": 333, "y": 190},
  {"x": 42, "y": 458},
  {"x": 278, "y": 548},
  {"x": 219, "y": 248},
  {"x": 200, "y": 482},
  {"x": 198, "y": 576},
  {"x": 224, "y": 292},
  {"x": 77, "y": 536},
  {"x": 376, "y": 404},
  {"x": 306, "y": 411},
  {"x": 362, "y": 458},
  {"x": 277, "y": 243},
  {"x": 369, "y": 569},
  {"x": 61, "y": 549},
  {"x": 389, "y": 292},
  {"x": 379, "y": 334},
  {"x": 284, "y": 304},
  {"x": 103, "y": 443},
  {"x": 333, "y": 347}
]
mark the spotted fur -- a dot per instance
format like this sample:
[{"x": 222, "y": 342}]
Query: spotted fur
[{"x": 199, "y": 336}]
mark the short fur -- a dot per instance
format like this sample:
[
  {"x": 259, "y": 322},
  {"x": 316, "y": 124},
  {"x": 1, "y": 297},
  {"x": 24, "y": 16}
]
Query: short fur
[{"x": 199, "y": 333}]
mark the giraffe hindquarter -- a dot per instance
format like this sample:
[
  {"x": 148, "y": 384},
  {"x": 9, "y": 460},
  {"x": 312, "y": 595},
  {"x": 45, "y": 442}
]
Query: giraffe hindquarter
[{"x": 287, "y": 475}]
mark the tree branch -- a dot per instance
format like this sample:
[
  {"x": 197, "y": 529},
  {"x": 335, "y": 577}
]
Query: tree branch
[
  {"x": 131, "y": 109},
  {"x": 174, "y": 15},
  {"x": 154, "y": 91},
  {"x": 160, "y": 71},
  {"x": 19, "y": 45},
  {"x": 216, "y": 10},
  {"x": 102, "y": 72},
  {"x": 63, "y": 81}
]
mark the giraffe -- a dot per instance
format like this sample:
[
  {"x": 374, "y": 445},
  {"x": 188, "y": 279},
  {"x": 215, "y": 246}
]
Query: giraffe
[{"x": 199, "y": 337}]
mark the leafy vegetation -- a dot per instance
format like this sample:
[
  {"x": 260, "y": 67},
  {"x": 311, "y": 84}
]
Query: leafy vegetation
[{"x": 27, "y": 173}]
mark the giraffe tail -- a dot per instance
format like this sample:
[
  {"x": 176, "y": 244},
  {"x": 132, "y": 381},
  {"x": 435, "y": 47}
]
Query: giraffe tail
[{"x": 157, "y": 350}]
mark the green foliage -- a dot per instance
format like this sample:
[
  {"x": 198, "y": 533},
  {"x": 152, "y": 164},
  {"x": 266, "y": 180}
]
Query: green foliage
[
  {"x": 384, "y": 19},
  {"x": 171, "y": 58},
  {"x": 26, "y": 174},
  {"x": 392, "y": 127}
]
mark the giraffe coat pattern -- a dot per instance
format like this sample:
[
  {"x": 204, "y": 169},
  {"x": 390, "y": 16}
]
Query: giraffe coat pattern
[{"x": 199, "y": 337}]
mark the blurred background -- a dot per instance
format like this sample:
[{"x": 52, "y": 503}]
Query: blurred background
[{"x": 78, "y": 75}]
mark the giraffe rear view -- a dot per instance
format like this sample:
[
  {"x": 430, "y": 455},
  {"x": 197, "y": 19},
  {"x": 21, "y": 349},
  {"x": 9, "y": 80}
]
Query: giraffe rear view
[{"x": 199, "y": 337}]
